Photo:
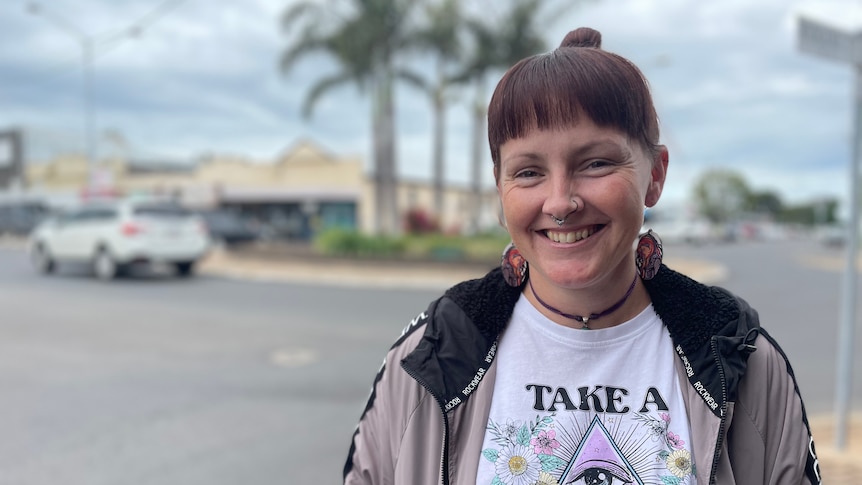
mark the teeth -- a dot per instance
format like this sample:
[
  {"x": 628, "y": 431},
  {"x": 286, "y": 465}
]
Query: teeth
[{"x": 570, "y": 237}]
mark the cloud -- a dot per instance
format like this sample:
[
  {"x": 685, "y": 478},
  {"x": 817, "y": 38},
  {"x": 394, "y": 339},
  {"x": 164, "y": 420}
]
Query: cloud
[{"x": 730, "y": 85}]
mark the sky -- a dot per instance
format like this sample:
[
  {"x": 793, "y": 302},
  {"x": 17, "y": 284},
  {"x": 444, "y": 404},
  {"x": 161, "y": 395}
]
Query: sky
[{"x": 731, "y": 87}]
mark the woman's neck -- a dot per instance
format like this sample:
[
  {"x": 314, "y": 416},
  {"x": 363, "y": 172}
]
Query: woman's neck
[{"x": 599, "y": 306}]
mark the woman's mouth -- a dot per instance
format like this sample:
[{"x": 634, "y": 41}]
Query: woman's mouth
[{"x": 573, "y": 236}]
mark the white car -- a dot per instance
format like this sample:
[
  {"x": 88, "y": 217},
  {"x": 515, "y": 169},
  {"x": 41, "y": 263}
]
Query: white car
[{"x": 115, "y": 235}]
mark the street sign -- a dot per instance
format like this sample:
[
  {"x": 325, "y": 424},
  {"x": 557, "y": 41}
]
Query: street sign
[{"x": 828, "y": 42}]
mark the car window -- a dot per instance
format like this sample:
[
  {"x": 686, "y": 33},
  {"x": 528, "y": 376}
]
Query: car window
[
  {"x": 97, "y": 214},
  {"x": 68, "y": 216},
  {"x": 166, "y": 211}
]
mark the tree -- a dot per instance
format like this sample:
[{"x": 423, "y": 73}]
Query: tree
[
  {"x": 722, "y": 195},
  {"x": 442, "y": 37},
  {"x": 497, "y": 43},
  {"x": 363, "y": 37},
  {"x": 822, "y": 211},
  {"x": 765, "y": 202}
]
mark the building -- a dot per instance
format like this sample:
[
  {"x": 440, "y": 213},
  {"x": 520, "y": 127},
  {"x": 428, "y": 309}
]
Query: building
[{"x": 303, "y": 191}]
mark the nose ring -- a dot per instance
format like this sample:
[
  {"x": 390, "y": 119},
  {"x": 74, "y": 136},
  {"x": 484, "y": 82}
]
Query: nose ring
[{"x": 559, "y": 221}]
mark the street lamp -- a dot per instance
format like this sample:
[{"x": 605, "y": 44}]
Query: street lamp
[{"x": 87, "y": 44}]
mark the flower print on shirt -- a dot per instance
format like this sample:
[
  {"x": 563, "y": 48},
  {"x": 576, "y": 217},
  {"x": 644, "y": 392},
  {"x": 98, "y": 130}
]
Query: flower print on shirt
[
  {"x": 526, "y": 453},
  {"x": 517, "y": 465},
  {"x": 550, "y": 451},
  {"x": 545, "y": 443}
]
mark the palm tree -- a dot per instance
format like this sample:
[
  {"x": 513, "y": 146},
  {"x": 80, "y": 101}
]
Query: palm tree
[
  {"x": 442, "y": 37},
  {"x": 496, "y": 44},
  {"x": 363, "y": 37}
]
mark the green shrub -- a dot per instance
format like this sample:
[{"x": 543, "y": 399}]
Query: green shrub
[
  {"x": 440, "y": 247},
  {"x": 341, "y": 242}
]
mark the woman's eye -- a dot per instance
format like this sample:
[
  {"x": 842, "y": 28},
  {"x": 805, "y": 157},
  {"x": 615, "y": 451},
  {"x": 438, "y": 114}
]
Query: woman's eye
[
  {"x": 599, "y": 164},
  {"x": 526, "y": 174}
]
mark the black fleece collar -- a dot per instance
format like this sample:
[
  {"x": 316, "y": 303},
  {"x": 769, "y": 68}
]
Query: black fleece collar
[{"x": 710, "y": 328}]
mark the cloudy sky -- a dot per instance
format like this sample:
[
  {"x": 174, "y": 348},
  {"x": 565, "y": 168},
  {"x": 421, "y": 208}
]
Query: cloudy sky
[{"x": 732, "y": 89}]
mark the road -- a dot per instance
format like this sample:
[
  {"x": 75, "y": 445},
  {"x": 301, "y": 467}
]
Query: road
[
  {"x": 796, "y": 288},
  {"x": 164, "y": 381},
  {"x": 155, "y": 380}
]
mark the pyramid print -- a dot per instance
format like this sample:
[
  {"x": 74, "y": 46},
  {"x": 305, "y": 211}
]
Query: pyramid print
[{"x": 598, "y": 460}]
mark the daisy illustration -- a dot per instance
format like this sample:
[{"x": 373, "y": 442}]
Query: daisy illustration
[
  {"x": 679, "y": 463},
  {"x": 518, "y": 465},
  {"x": 546, "y": 478}
]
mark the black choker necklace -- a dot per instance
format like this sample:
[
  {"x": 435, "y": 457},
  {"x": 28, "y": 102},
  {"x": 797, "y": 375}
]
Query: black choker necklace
[{"x": 586, "y": 320}]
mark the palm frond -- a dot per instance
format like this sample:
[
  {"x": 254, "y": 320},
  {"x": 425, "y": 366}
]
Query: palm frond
[
  {"x": 298, "y": 11},
  {"x": 307, "y": 45},
  {"x": 414, "y": 79},
  {"x": 320, "y": 88}
]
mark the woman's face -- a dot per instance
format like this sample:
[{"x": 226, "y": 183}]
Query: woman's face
[{"x": 610, "y": 176}]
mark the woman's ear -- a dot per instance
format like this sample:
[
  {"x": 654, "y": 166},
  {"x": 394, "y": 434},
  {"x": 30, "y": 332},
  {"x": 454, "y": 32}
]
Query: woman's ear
[{"x": 657, "y": 177}]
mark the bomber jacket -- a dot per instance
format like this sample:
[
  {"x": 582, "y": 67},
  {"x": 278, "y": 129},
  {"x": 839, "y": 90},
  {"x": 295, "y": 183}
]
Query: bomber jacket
[{"x": 426, "y": 417}]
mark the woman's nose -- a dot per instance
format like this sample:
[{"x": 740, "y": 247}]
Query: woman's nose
[{"x": 560, "y": 200}]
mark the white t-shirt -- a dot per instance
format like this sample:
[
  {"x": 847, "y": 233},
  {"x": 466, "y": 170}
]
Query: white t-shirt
[{"x": 586, "y": 406}]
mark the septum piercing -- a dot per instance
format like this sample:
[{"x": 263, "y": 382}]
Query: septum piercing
[{"x": 559, "y": 221}]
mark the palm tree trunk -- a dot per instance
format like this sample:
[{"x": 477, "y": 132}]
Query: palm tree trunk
[
  {"x": 479, "y": 133},
  {"x": 439, "y": 147},
  {"x": 388, "y": 128},
  {"x": 386, "y": 203},
  {"x": 377, "y": 160}
]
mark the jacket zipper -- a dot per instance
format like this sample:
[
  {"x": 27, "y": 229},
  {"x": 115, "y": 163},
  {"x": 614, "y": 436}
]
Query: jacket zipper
[
  {"x": 721, "y": 425},
  {"x": 444, "y": 458}
]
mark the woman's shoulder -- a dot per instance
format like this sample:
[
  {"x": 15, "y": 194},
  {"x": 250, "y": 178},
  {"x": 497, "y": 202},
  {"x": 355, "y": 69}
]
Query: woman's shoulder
[
  {"x": 486, "y": 302},
  {"x": 694, "y": 312}
]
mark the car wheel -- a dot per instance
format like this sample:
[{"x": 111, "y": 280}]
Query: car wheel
[
  {"x": 104, "y": 265},
  {"x": 185, "y": 268},
  {"x": 41, "y": 259}
]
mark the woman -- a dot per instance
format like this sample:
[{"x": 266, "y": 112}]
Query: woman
[{"x": 583, "y": 359}]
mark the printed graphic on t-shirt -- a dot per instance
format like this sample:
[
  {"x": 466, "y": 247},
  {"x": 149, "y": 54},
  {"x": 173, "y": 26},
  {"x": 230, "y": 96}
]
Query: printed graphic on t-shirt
[{"x": 589, "y": 448}]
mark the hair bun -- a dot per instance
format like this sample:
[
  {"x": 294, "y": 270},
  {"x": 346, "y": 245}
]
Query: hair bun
[{"x": 583, "y": 37}]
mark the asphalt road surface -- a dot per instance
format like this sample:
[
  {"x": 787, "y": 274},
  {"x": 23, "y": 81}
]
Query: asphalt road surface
[{"x": 154, "y": 380}]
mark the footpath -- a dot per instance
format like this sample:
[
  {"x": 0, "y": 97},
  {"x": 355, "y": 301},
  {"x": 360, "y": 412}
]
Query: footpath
[
  {"x": 295, "y": 265},
  {"x": 300, "y": 265}
]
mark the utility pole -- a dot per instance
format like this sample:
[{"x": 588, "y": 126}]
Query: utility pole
[
  {"x": 835, "y": 45},
  {"x": 86, "y": 43}
]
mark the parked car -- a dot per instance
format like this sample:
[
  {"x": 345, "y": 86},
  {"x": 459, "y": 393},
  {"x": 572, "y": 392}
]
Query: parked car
[
  {"x": 19, "y": 218},
  {"x": 112, "y": 236},
  {"x": 677, "y": 227},
  {"x": 229, "y": 228}
]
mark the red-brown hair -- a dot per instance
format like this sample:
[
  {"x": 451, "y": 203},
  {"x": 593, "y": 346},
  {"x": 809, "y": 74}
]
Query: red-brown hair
[{"x": 555, "y": 89}]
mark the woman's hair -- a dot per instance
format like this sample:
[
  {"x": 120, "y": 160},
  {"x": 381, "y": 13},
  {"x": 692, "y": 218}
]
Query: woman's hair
[{"x": 555, "y": 89}]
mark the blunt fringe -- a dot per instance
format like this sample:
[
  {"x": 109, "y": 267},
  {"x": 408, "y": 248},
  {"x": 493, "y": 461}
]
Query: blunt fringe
[{"x": 553, "y": 90}]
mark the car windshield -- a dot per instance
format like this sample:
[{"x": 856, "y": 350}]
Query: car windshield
[{"x": 172, "y": 211}]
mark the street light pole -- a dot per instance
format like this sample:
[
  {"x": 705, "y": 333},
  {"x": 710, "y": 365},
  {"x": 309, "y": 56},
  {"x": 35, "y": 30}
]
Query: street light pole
[
  {"x": 89, "y": 110},
  {"x": 835, "y": 45},
  {"x": 87, "y": 57}
]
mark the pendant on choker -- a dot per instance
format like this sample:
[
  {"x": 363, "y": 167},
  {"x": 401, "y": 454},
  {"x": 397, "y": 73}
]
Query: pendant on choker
[{"x": 585, "y": 320}]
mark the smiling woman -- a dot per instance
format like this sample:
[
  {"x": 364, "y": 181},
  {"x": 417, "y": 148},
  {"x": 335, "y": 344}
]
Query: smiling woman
[{"x": 583, "y": 359}]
